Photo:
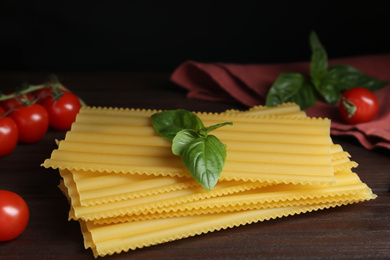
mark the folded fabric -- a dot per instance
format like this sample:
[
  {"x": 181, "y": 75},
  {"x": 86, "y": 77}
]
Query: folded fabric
[{"x": 248, "y": 84}]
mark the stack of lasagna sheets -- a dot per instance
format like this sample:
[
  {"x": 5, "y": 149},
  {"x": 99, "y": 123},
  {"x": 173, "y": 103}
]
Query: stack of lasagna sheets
[{"x": 128, "y": 190}]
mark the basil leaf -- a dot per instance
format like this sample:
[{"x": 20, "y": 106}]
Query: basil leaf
[
  {"x": 305, "y": 97},
  {"x": 291, "y": 87},
  {"x": 169, "y": 123},
  {"x": 285, "y": 86},
  {"x": 182, "y": 140},
  {"x": 329, "y": 90},
  {"x": 204, "y": 157},
  {"x": 319, "y": 60},
  {"x": 342, "y": 77},
  {"x": 349, "y": 77}
]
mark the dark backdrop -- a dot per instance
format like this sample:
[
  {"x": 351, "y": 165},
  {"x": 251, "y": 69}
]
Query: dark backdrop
[{"x": 159, "y": 35}]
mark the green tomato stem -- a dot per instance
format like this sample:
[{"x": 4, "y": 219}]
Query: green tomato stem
[
  {"x": 21, "y": 92},
  {"x": 31, "y": 88},
  {"x": 349, "y": 106},
  {"x": 60, "y": 86}
]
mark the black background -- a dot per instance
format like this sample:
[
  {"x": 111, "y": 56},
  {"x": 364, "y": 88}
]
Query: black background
[{"x": 160, "y": 35}]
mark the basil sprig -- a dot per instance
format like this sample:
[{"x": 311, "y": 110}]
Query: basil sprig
[
  {"x": 203, "y": 155},
  {"x": 325, "y": 82}
]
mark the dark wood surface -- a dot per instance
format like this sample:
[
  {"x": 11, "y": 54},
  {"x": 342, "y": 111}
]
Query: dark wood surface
[{"x": 358, "y": 231}]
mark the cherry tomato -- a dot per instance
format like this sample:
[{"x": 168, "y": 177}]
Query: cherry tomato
[
  {"x": 44, "y": 93},
  {"x": 8, "y": 134},
  {"x": 358, "y": 105},
  {"x": 62, "y": 112},
  {"x": 14, "y": 215},
  {"x": 2, "y": 111},
  {"x": 13, "y": 103},
  {"x": 32, "y": 122}
]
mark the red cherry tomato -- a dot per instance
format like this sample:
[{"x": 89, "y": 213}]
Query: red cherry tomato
[
  {"x": 14, "y": 215},
  {"x": 41, "y": 94},
  {"x": 13, "y": 103},
  {"x": 44, "y": 93},
  {"x": 2, "y": 111},
  {"x": 32, "y": 122},
  {"x": 8, "y": 134},
  {"x": 358, "y": 105},
  {"x": 62, "y": 112}
]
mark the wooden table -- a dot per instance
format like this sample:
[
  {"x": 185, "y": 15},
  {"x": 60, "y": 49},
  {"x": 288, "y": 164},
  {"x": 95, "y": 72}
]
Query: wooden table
[{"x": 355, "y": 231}]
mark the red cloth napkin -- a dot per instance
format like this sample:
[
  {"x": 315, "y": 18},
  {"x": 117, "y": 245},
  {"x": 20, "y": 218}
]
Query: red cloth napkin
[{"x": 249, "y": 84}]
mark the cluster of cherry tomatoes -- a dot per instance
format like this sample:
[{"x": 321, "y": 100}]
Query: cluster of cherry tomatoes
[{"x": 26, "y": 116}]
